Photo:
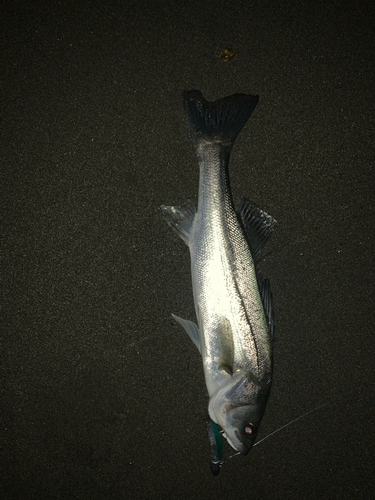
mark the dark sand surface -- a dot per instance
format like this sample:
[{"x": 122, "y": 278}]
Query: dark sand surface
[{"x": 103, "y": 394}]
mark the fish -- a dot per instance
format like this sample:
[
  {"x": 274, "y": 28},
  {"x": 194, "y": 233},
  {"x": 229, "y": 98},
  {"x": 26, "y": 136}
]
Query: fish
[{"x": 234, "y": 332}]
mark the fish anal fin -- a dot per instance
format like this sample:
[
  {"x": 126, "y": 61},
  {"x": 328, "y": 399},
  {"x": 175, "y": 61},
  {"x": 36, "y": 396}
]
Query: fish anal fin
[{"x": 180, "y": 218}]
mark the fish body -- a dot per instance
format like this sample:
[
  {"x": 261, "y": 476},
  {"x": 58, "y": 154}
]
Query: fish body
[{"x": 233, "y": 304}]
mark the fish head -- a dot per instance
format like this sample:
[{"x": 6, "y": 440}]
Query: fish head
[{"x": 238, "y": 407}]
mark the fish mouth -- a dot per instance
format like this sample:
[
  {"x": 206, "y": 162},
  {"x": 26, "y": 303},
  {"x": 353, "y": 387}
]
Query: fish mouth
[
  {"x": 245, "y": 450},
  {"x": 239, "y": 446}
]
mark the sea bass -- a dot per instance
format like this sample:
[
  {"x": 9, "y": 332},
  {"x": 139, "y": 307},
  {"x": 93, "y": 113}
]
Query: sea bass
[{"x": 233, "y": 303}]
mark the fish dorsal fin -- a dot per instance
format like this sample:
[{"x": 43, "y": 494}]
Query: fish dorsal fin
[
  {"x": 180, "y": 218},
  {"x": 257, "y": 224},
  {"x": 266, "y": 296}
]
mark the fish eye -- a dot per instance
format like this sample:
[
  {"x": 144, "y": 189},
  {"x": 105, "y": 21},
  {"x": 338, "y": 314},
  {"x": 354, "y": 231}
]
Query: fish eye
[{"x": 250, "y": 429}]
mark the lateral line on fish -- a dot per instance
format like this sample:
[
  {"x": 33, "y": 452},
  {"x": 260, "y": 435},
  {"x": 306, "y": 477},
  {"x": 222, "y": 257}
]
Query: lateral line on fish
[{"x": 251, "y": 328}]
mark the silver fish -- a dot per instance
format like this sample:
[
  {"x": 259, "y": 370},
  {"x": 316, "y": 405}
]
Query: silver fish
[{"x": 233, "y": 303}]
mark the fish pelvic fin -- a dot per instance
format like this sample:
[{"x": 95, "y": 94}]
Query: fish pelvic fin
[
  {"x": 180, "y": 218},
  {"x": 191, "y": 329},
  {"x": 220, "y": 120}
]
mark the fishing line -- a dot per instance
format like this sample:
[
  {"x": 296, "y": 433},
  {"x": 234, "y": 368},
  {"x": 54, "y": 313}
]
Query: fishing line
[{"x": 291, "y": 422}]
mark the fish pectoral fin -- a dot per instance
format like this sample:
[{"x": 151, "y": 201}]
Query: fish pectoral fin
[
  {"x": 180, "y": 218},
  {"x": 257, "y": 224},
  {"x": 225, "y": 368},
  {"x": 224, "y": 334},
  {"x": 191, "y": 329}
]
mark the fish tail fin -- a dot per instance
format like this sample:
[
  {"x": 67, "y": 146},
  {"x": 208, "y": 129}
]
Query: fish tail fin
[{"x": 221, "y": 120}]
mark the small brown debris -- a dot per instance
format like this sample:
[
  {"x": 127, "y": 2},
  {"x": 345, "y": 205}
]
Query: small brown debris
[{"x": 227, "y": 54}]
